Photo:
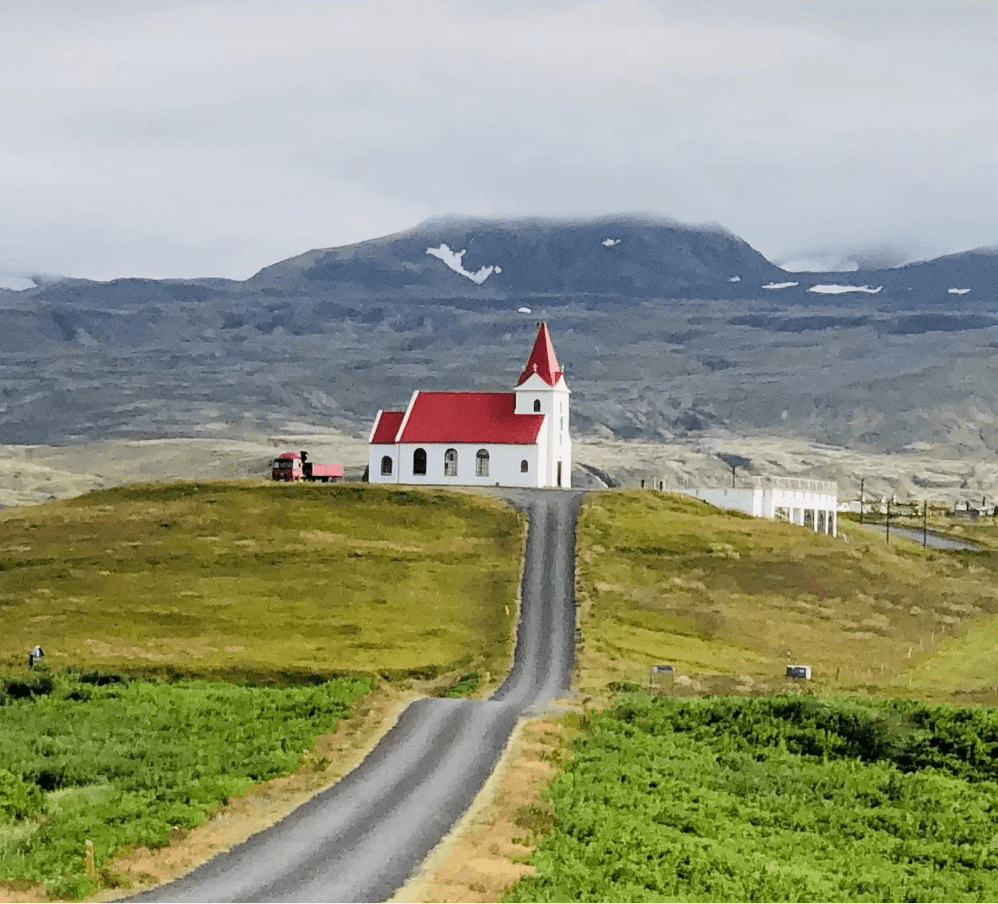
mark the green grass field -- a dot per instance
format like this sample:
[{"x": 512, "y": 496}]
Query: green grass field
[
  {"x": 261, "y": 582},
  {"x": 780, "y": 798},
  {"x": 122, "y": 763},
  {"x": 733, "y": 600},
  {"x": 278, "y": 585}
]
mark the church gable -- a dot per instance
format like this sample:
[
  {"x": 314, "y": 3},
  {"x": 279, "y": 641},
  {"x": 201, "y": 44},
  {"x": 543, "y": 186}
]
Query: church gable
[{"x": 386, "y": 427}]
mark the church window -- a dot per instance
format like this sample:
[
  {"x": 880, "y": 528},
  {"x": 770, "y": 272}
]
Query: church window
[
  {"x": 386, "y": 465},
  {"x": 523, "y": 466},
  {"x": 450, "y": 463},
  {"x": 419, "y": 461},
  {"x": 482, "y": 463},
  {"x": 537, "y": 404}
]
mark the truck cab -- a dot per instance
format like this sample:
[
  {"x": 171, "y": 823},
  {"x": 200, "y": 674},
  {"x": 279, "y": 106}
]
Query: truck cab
[{"x": 287, "y": 466}]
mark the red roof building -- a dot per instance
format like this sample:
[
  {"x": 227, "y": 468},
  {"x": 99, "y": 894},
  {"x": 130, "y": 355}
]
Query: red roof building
[
  {"x": 518, "y": 438},
  {"x": 468, "y": 417},
  {"x": 386, "y": 427}
]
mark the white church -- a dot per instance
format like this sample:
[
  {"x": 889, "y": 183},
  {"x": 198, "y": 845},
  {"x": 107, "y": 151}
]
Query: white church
[{"x": 510, "y": 439}]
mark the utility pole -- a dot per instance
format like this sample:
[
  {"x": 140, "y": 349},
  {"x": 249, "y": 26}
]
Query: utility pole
[
  {"x": 925, "y": 517},
  {"x": 888, "y": 521},
  {"x": 862, "y": 499}
]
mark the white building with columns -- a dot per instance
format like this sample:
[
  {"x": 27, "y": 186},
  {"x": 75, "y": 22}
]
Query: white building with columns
[
  {"x": 809, "y": 503},
  {"x": 514, "y": 439}
]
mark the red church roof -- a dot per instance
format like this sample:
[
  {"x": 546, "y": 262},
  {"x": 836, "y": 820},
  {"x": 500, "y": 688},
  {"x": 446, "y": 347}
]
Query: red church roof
[
  {"x": 387, "y": 426},
  {"x": 469, "y": 417},
  {"x": 542, "y": 360}
]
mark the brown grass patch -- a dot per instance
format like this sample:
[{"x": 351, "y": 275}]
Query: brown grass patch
[{"x": 658, "y": 581}]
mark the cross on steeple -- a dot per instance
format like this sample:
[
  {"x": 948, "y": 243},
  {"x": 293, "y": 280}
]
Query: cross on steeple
[{"x": 542, "y": 360}]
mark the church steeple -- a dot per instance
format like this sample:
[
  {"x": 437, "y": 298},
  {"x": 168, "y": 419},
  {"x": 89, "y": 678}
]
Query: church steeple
[
  {"x": 542, "y": 390},
  {"x": 542, "y": 360}
]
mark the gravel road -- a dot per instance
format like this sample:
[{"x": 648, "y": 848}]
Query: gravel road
[{"x": 360, "y": 839}]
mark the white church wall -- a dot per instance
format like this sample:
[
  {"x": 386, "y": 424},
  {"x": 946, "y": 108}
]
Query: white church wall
[
  {"x": 555, "y": 437},
  {"x": 374, "y": 458},
  {"x": 504, "y": 465}
]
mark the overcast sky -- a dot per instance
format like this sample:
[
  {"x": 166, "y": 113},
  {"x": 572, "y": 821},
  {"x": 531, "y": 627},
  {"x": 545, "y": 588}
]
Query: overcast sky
[{"x": 143, "y": 138}]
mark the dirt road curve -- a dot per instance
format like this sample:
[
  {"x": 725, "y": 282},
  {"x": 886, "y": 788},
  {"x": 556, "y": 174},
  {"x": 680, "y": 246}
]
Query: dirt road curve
[{"x": 360, "y": 839}]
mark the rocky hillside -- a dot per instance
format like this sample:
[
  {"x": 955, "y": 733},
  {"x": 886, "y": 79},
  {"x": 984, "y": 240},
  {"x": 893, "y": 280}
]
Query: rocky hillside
[
  {"x": 665, "y": 330},
  {"x": 626, "y": 257}
]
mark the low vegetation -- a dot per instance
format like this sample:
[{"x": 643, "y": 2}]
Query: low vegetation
[
  {"x": 124, "y": 762},
  {"x": 782, "y": 798},
  {"x": 262, "y": 583},
  {"x": 858, "y": 794},
  {"x": 730, "y": 600}
]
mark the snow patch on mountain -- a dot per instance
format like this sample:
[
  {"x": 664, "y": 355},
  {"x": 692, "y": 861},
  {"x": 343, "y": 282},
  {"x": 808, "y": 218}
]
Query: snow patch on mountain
[
  {"x": 780, "y": 285},
  {"x": 734, "y": 279},
  {"x": 453, "y": 259},
  {"x": 609, "y": 243},
  {"x": 958, "y": 291},
  {"x": 834, "y": 289}
]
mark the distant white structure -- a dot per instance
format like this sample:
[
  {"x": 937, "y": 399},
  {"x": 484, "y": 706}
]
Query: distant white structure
[{"x": 809, "y": 503}]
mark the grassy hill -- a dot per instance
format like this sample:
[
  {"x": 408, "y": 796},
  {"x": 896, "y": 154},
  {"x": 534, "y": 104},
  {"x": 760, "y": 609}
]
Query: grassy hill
[
  {"x": 827, "y": 795},
  {"x": 731, "y": 600},
  {"x": 252, "y": 583},
  {"x": 261, "y": 582}
]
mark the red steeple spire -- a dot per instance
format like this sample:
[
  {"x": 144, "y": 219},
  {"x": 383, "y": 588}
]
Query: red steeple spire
[{"x": 542, "y": 360}]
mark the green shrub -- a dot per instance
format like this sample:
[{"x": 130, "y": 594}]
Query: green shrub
[
  {"x": 124, "y": 762},
  {"x": 18, "y": 799},
  {"x": 463, "y": 686},
  {"x": 785, "y": 798}
]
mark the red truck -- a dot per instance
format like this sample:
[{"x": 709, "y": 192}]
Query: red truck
[{"x": 296, "y": 466}]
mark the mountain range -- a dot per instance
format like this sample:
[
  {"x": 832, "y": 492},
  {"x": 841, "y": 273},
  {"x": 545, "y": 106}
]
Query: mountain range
[{"x": 666, "y": 331}]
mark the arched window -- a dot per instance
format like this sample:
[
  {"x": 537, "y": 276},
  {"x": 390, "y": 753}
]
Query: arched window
[
  {"x": 419, "y": 461},
  {"x": 482, "y": 463},
  {"x": 386, "y": 465},
  {"x": 537, "y": 404},
  {"x": 523, "y": 466},
  {"x": 450, "y": 463}
]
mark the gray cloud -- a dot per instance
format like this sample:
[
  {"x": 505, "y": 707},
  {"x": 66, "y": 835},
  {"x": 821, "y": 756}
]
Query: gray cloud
[{"x": 214, "y": 138}]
